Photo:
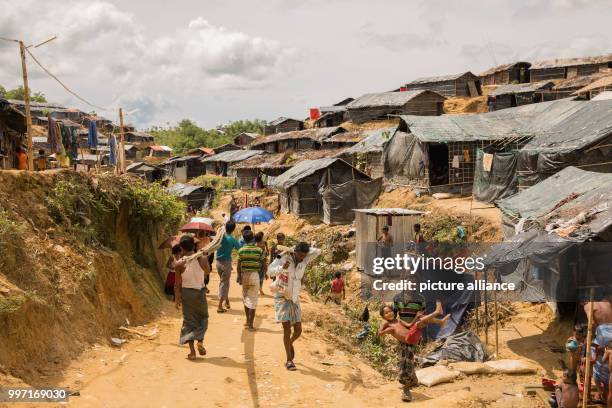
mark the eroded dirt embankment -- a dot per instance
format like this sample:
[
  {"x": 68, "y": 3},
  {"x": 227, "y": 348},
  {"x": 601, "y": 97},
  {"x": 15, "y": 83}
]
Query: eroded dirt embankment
[{"x": 77, "y": 258}]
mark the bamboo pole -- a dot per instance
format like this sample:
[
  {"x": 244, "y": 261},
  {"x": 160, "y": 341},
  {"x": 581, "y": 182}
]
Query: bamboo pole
[
  {"x": 121, "y": 142},
  {"x": 587, "y": 368},
  {"x": 26, "y": 100}
]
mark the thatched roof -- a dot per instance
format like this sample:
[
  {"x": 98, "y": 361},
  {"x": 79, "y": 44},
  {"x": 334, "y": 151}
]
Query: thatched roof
[
  {"x": 318, "y": 134},
  {"x": 522, "y": 88},
  {"x": 385, "y": 99},
  {"x": 504, "y": 67},
  {"x": 571, "y": 62},
  {"x": 441, "y": 78}
]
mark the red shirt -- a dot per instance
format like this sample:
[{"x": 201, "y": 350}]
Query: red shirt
[{"x": 337, "y": 285}]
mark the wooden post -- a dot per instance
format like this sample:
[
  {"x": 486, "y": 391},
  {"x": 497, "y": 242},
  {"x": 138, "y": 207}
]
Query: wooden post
[
  {"x": 589, "y": 339},
  {"x": 26, "y": 100},
  {"x": 496, "y": 324},
  {"x": 121, "y": 152}
]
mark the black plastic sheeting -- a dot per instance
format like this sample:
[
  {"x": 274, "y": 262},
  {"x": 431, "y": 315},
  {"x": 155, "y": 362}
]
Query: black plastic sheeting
[
  {"x": 464, "y": 346},
  {"x": 501, "y": 181},
  {"x": 339, "y": 200}
]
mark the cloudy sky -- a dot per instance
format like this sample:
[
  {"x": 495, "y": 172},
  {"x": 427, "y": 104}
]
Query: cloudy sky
[{"x": 220, "y": 60}]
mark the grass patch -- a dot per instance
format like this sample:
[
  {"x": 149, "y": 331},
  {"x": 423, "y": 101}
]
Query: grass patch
[
  {"x": 217, "y": 183},
  {"x": 11, "y": 304}
]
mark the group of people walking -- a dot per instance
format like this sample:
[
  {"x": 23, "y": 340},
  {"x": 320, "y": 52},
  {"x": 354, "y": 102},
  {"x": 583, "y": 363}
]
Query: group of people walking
[{"x": 255, "y": 262}]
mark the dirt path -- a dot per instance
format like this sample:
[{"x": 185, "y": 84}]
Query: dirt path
[{"x": 241, "y": 369}]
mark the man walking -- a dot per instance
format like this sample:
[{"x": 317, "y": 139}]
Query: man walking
[
  {"x": 250, "y": 261},
  {"x": 224, "y": 264}
]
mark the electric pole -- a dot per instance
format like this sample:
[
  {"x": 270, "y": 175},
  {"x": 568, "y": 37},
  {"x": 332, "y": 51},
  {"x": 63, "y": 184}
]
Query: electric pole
[{"x": 26, "y": 99}]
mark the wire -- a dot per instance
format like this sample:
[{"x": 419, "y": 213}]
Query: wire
[
  {"x": 8, "y": 39},
  {"x": 66, "y": 87}
]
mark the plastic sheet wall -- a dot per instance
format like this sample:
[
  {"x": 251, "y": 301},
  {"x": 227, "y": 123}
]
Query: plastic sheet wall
[
  {"x": 339, "y": 200},
  {"x": 500, "y": 182}
]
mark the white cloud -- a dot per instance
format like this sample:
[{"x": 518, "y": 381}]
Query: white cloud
[{"x": 99, "y": 43}]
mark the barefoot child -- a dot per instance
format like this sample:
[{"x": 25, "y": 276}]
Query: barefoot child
[
  {"x": 408, "y": 334},
  {"x": 336, "y": 292}
]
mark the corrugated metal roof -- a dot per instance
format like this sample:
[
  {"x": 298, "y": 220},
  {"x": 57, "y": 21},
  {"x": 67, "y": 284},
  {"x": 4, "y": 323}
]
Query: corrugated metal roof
[
  {"x": 284, "y": 160},
  {"x": 570, "y": 62},
  {"x": 386, "y": 99},
  {"x": 522, "y": 88},
  {"x": 389, "y": 211},
  {"x": 231, "y": 156},
  {"x": 604, "y": 96},
  {"x": 563, "y": 196},
  {"x": 373, "y": 142},
  {"x": 441, "y": 78},
  {"x": 280, "y": 120},
  {"x": 328, "y": 109},
  {"x": 503, "y": 67},
  {"x": 317, "y": 134},
  {"x": 302, "y": 169}
]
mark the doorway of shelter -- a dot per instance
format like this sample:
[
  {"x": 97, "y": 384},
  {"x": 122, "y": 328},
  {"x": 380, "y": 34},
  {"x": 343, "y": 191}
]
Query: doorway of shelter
[{"x": 438, "y": 164}]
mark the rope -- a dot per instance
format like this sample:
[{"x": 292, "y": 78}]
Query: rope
[{"x": 66, "y": 87}]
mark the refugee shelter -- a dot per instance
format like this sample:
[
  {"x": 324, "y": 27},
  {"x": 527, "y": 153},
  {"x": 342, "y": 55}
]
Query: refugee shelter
[
  {"x": 332, "y": 116},
  {"x": 328, "y": 188},
  {"x": 367, "y": 155},
  {"x": 558, "y": 237},
  {"x": 381, "y": 105},
  {"x": 146, "y": 171},
  {"x": 201, "y": 151},
  {"x": 562, "y": 68},
  {"x": 464, "y": 84},
  {"x": 245, "y": 138},
  {"x": 196, "y": 197},
  {"x": 158, "y": 151},
  {"x": 219, "y": 164},
  {"x": 12, "y": 133},
  {"x": 259, "y": 171},
  {"x": 514, "y": 73},
  {"x": 580, "y": 136},
  {"x": 184, "y": 168},
  {"x": 343, "y": 139},
  {"x": 368, "y": 227},
  {"x": 511, "y": 95},
  {"x": 283, "y": 124},
  {"x": 226, "y": 148},
  {"x": 565, "y": 88},
  {"x": 297, "y": 140},
  {"x": 595, "y": 88},
  {"x": 138, "y": 137}
]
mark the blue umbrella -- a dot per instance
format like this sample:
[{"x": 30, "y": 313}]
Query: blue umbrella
[{"x": 253, "y": 215}]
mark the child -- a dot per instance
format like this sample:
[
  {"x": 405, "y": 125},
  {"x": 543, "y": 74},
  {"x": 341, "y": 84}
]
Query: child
[
  {"x": 567, "y": 393},
  {"x": 177, "y": 253},
  {"x": 408, "y": 335},
  {"x": 576, "y": 347},
  {"x": 274, "y": 252},
  {"x": 336, "y": 291},
  {"x": 607, "y": 360},
  {"x": 261, "y": 243}
]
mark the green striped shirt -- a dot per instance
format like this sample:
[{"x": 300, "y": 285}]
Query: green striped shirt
[{"x": 251, "y": 258}]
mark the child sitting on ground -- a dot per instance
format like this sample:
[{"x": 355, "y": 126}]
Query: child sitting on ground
[
  {"x": 566, "y": 393},
  {"x": 409, "y": 333},
  {"x": 336, "y": 292}
]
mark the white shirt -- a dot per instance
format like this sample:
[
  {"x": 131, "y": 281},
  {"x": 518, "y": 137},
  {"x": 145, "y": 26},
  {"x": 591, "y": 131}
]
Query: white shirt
[
  {"x": 193, "y": 277},
  {"x": 294, "y": 272}
]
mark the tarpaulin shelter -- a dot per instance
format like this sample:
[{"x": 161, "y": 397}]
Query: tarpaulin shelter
[
  {"x": 327, "y": 187},
  {"x": 512, "y": 95},
  {"x": 367, "y": 155},
  {"x": 184, "y": 168},
  {"x": 497, "y": 179},
  {"x": 295, "y": 140},
  {"x": 220, "y": 163},
  {"x": 380, "y": 105},
  {"x": 196, "y": 197}
]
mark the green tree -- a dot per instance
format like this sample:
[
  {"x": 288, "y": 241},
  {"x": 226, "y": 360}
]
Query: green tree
[
  {"x": 187, "y": 135},
  {"x": 2, "y": 91},
  {"x": 19, "y": 94}
]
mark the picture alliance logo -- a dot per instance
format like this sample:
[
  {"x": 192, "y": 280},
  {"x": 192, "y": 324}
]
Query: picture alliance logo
[{"x": 412, "y": 264}]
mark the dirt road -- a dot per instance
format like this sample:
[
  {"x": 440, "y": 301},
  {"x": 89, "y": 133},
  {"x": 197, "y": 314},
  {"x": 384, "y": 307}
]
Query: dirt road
[{"x": 241, "y": 369}]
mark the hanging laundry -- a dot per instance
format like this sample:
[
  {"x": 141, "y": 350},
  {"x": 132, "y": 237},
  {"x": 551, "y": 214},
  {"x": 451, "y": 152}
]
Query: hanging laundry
[
  {"x": 455, "y": 163},
  {"x": 466, "y": 156},
  {"x": 92, "y": 136},
  {"x": 112, "y": 145},
  {"x": 74, "y": 143},
  {"x": 487, "y": 162}
]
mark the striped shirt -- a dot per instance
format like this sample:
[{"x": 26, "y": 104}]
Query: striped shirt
[{"x": 251, "y": 258}]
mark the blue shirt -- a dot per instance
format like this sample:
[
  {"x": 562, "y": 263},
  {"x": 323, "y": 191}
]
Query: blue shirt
[{"x": 228, "y": 243}]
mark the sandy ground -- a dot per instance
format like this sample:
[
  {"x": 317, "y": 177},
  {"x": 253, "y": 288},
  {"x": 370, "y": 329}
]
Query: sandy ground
[
  {"x": 244, "y": 369},
  {"x": 468, "y": 206}
]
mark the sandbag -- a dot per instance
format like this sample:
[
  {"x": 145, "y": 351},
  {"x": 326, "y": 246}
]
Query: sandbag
[
  {"x": 511, "y": 366},
  {"x": 471, "y": 368},
  {"x": 464, "y": 346},
  {"x": 434, "y": 375}
]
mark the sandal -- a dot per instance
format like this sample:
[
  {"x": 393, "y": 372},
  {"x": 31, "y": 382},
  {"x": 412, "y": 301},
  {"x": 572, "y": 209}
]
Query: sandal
[
  {"x": 290, "y": 366},
  {"x": 201, "y": 349},
  {"x": 191, "y": 357},
  {"x": 227, "y": 306},
  {"x": 220, "y": 310}
]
